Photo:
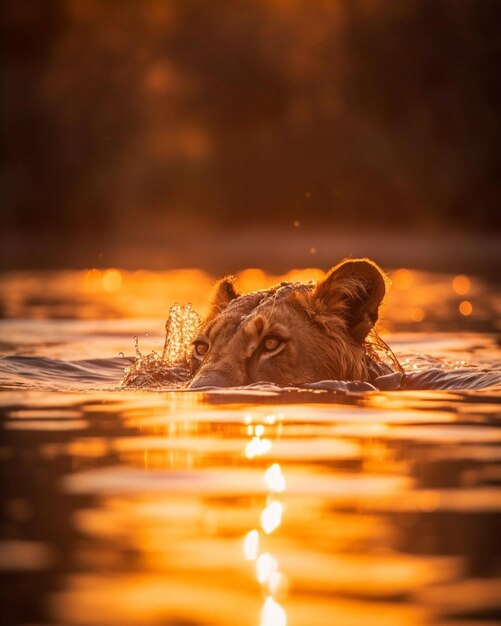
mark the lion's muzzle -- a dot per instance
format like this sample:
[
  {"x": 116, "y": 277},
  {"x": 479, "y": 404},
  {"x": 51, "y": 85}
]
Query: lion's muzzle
[{"x": 211, "y": 379}]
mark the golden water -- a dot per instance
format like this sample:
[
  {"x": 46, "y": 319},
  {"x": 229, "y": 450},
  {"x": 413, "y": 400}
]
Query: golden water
[{"x": 242, "y": 507}]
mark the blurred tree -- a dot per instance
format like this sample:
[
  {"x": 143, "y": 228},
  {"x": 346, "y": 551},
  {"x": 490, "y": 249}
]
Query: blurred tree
[{"x": 121, "y": 114}]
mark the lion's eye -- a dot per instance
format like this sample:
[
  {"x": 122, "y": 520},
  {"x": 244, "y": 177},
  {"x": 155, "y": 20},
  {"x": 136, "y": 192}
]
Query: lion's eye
[
  {"x": 271, "y": 343},
  {"x": 201, "y": 348}
]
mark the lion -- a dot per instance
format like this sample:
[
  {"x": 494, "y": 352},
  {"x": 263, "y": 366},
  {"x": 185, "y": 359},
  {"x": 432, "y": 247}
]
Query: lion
[{"x": 292, "y": 333}]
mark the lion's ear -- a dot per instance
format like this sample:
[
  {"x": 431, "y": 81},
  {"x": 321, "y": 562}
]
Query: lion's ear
[
  {"x": 222, "y": 294},
  {"x": 353, "y": 291}
]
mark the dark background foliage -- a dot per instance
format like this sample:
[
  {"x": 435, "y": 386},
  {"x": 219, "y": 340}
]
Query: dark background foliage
[{"x": 126, "y": 122}]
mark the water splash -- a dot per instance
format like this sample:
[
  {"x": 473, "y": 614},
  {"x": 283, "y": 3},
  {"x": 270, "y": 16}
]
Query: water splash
[
  {"x": 180, "y": 330},
  {"x": 171, "y": 368},
  {"x": 380, "y": 352}
]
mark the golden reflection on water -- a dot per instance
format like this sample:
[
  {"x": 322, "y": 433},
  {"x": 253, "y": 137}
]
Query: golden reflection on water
[
  {"x": 112, "y": 281},
  {"x": 251, "y": 545},
  {"x": 274, "y": 479},
  {"x": 402, "y": 279},
  {"x": 273, "y": 582},
  {"x": 272, "y": 614},
  {"x": 114, "y": 293},
  {"x": 256, "y": 510},
  {"x": 271, "y": 517},
  {"x": 181, "y": 524}
]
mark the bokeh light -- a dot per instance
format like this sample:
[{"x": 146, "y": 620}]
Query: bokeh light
[
  {"x": 465, "y": 308},
  {"x": 461, "y": 284},
  {"x": 112, "y": 280},
  {"x": 402, "y": 279}
]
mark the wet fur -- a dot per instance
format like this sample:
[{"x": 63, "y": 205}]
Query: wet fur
[{"x": 323, "y": 327}]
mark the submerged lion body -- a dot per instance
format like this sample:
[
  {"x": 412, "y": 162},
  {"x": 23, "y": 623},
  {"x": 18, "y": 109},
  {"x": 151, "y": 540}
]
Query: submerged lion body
[{"x": 292, "y": 333}]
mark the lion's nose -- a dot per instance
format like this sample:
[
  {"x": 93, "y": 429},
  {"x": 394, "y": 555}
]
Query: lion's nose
[{"x": 210, "y": 379}]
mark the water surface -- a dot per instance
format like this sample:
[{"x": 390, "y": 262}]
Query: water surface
[{"x": 255, "y": 507}]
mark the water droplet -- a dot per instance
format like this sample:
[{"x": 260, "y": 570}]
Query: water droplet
[
  {"x": 121, "y": 355},
  {"x": 146, "y": 334},
  {"x": 136, "y": 345}
]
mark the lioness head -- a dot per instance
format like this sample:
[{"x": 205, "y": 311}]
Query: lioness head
[{"x": 292, "y": 333}]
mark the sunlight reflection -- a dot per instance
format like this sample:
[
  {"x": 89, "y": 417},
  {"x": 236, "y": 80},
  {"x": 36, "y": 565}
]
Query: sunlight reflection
[
  {"x": 112, "y": 281},
  {"x": 117, "y": 293},
  {"x": 273, "y": 614},
  {"x": 347, "y": 486},
  {"x": 266, "y": 565},
  {"x": 402, "y": 279},
  {"x": 259, "y": 430},
  {"x": 271, "y": 418},
  {"x": 274, "y": 479},
  {"x": 253, "y": 279},
  {"x": 278, "y": 584},
  {"x": 274, "y": 583},
  {"x": 251, "y": 545},
  {"x": 271, "y": 517},
  {"x": 257, "y": 447}
]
